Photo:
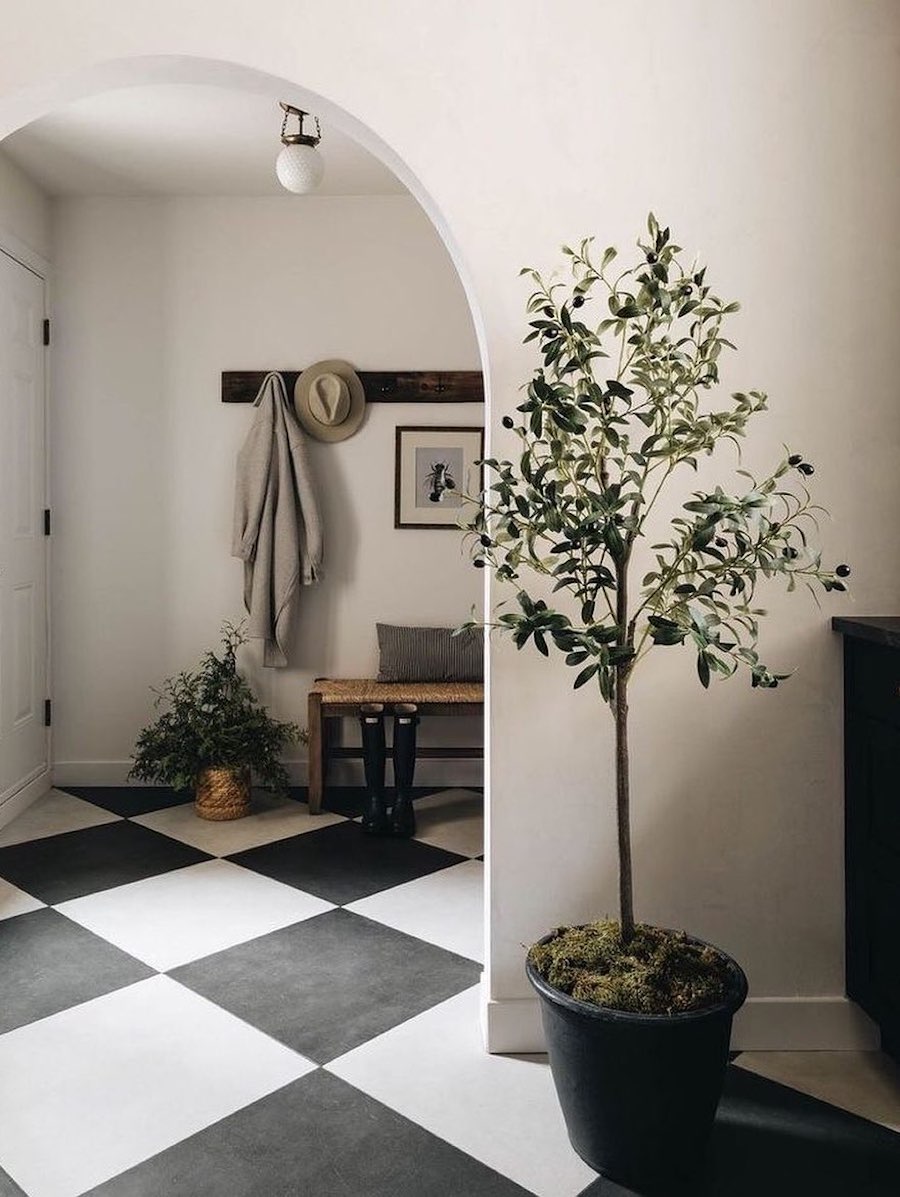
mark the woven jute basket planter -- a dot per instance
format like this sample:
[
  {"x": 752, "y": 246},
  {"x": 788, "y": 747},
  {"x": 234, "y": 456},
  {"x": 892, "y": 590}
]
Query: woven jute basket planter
[{"x": 222, "y": 793}]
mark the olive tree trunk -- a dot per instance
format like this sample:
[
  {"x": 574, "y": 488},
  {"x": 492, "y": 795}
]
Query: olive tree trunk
[
  {"x": 623, "y": 769},
  {"x": 623, "y": 807}
]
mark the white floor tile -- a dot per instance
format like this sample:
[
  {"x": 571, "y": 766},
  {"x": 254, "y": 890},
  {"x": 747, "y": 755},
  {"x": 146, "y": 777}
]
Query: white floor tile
[
  {"x": 273, "y": 819},
  {"x": 180, "y": 916},
  {"x": 503, "y": 1110},
  {"x": 865, "y": 1083},
  {"x": 453, "y": 820},
  {"x": 91, "y": 1091},
  {"x": 15, "y": 901},
  {"x": 445, "y": 908},
  {"x": 52, "y": 814}
]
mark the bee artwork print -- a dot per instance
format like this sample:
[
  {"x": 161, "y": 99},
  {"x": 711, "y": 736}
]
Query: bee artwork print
[
  {"x": 439, "y": 481},
  {"x": 440, "y": 476},
  {"x": 436, "y": 474}
]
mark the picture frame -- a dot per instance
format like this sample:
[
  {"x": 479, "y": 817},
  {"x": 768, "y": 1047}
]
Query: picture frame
[{"x": 434, "y": 470}]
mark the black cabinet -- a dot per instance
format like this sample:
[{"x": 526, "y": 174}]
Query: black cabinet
[{"x": 872, "y": 818}]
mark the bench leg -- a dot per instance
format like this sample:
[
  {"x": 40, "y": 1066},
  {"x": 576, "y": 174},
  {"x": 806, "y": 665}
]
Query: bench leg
[
  {"x": 316, "y": 753},
  {"x": 330, "y": 738}
]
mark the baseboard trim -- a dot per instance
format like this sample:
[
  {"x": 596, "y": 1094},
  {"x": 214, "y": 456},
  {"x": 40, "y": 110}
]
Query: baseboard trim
[
  {"x": 512, "y": 1027},
  {"x": 763, "y": 1024},
  {"x": 13, "y": 805},
  {"x": 435, "y": 771},
  {"x": 803, "y": 1024}
]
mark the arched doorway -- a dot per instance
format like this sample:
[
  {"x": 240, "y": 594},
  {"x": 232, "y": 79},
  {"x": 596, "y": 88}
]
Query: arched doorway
[
  {"x": 125, "y": 73},
  {"x": 128, "y": 73},
  {"x": 132, "y": 72}
]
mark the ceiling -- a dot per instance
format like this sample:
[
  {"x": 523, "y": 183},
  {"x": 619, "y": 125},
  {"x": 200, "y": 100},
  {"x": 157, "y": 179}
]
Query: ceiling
[{"x": 180, "y": 139}]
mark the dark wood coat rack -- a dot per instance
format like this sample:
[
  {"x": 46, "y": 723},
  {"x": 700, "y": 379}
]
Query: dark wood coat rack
[{"x": 381, "y": 386}]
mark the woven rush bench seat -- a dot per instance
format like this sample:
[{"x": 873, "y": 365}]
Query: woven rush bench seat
[{"x": 331, "y": 699}]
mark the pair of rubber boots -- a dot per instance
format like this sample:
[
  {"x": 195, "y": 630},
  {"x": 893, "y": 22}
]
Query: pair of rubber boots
[{"x": 401, "y": 821}]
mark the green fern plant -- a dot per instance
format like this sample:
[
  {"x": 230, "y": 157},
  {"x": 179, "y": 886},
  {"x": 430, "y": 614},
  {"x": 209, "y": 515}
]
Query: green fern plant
[{"x": 211, "y": 717}]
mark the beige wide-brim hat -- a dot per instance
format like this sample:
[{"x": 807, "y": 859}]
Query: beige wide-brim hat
[{"x": 329, "y": 400}]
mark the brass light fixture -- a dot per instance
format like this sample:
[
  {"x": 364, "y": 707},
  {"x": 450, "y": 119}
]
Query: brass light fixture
[{"x": 299, "y": 166}]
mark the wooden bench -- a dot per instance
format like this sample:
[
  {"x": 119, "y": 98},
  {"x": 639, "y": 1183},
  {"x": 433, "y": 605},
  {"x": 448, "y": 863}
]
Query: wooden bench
[{"x": 333, "y": 699}]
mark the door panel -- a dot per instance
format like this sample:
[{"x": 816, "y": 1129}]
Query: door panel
[
  {"x": 24, "y": 703},
  {"x": 23, "y": 464},
  {"x": 23, "y": 556}
]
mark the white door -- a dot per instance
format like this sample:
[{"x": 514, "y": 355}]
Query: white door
[{"x": 23, "y": 555}]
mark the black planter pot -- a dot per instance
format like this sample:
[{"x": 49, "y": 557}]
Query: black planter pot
[{"x": 638, "y": 1091}]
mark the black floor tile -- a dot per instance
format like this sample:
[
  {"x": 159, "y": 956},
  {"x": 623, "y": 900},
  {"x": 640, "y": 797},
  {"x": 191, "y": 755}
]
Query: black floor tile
[
  {"x": 340, "y": 864},
  {"x": 326, "y": 985},
  {"x": 771, "y": 1141},
  {"x": 318, "y": 1137},
  {"x": 342, "y": 800},
  {"x": 350, "y": 800},
  {"x": 8, "y": 1187},
  {"x": 76, "y": 863},
  {"x": 48, "y": 964},
  {"x": 129, "y": 801}
]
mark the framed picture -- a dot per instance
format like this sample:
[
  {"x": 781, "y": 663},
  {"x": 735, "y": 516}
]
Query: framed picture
[{"x": 436, "y": 478}]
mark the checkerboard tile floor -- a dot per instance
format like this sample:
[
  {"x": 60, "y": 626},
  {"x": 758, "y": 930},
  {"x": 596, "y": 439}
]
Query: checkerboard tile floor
[{"x": 280, "y": 1006}]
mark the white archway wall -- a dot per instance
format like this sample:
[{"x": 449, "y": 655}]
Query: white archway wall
[{"x": 766, "y": 135}]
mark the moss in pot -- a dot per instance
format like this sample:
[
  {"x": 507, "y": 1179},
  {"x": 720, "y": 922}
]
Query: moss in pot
[
  {"x": 213, "y": 735},
  {"x": 637, "y": 1018}
]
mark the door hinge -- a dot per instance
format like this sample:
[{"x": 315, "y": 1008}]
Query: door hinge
[
  {"x": 46, "y": 332},
  {"x": 46, "y": 521},
  {"x": 48, "y": 712}
]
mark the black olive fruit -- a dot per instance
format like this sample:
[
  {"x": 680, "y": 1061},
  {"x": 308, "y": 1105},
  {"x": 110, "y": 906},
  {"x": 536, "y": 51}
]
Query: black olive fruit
[
  {"x": 843, "y": 571},
  {"x": 486, "y": 541},
  {"x": 578, "y": 301},
  {"x": 507, "y": 421},
  {"x": 794, "y": 459},
  {"x": 805, "y": 468}
]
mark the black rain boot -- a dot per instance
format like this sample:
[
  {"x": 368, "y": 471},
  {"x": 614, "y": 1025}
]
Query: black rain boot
[
  {"x": 371, "y": 722},
  {"x": 403, "y": 817}
]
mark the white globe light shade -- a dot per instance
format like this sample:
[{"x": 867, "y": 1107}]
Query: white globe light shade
[{"x": 299, "y": 168}]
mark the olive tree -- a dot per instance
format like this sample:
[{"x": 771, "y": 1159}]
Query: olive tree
[{"x": 614, "y": 410}]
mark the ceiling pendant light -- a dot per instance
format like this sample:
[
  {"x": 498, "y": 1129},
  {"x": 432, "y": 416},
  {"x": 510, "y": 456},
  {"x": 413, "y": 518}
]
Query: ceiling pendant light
[{"x": 299, "y": 166}]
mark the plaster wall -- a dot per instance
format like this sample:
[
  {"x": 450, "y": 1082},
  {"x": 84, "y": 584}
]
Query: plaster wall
[{"x": 24, "y": 210}]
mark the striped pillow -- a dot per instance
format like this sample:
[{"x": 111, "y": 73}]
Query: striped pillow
[{"x": 429, "y": 654}]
